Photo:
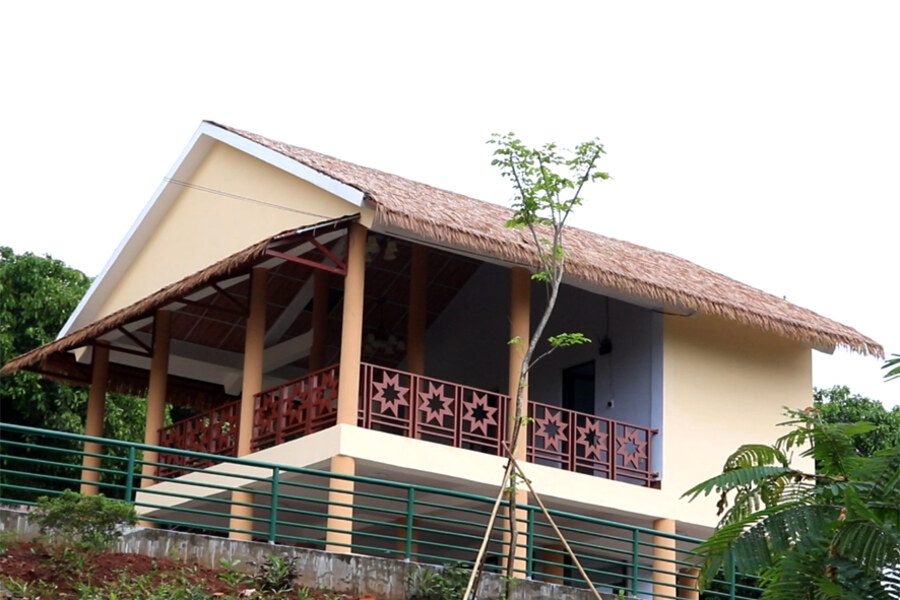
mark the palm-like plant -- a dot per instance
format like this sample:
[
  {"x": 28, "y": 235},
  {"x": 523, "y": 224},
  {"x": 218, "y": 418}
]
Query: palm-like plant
[{"x": 834, "y": 533}]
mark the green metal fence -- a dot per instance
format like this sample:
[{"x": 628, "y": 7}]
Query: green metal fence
[{"x": 289, "y": 505}]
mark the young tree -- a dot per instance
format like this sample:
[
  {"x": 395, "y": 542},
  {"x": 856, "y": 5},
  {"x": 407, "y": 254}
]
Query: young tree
[
  {"x": 834, "y": 533},
  {"x": 547, "y": 183}
]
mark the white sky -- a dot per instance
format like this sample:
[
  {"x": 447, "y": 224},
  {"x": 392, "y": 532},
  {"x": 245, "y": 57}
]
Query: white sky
[{"x": 759, "y": 139}]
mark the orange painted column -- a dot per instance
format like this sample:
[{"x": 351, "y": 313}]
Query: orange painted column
[
  {"x": 687, "y": 583},
  {"x": 519, "y": 327},
  {"x": 665, "y": 572},
  {"x": 319, "y": 320},
  {"x": 339, "y": 537},
  {"x": 555, "y": 572},
  {"x": 94, "y": 422},
  {"x": 418, "y": 302},
  {"x": 352, "y": 327},
  {"x": 156, "y": 392},
  {"x": 251, "y": 384}
]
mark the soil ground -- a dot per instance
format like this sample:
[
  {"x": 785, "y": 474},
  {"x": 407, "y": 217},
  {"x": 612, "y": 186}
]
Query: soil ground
[{"x": 49, "y": 573}]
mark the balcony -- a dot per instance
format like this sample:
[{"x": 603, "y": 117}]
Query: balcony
[{"x": 423, "y": 408}]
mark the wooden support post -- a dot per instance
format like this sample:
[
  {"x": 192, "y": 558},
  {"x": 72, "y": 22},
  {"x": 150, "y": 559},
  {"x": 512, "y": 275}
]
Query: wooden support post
[
  {"x": 339, "y": 537},
  {"x": 418, "y": 320},
  {"x": 94, "y": 422},
  {"x": 664, "y": 568},
  {"x": 319, "y": 320},
  {"x": 254, "y": 353},
  {"x": 687, "y": 583},
  {"x": 156, "y": 392},
  {"x": 352, "y": 327}
]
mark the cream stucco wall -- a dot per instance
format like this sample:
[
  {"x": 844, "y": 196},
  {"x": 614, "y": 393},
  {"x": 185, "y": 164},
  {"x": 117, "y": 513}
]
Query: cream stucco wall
[
  {"x": 243, "y": 201},
  {"x": 724, "y": 385}
]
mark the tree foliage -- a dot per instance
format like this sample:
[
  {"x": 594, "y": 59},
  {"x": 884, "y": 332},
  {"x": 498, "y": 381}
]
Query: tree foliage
[
  {"x": 38, "y": 294},
  {"x": 834, "y": 533},
  {"x": 839, "y": 405}
]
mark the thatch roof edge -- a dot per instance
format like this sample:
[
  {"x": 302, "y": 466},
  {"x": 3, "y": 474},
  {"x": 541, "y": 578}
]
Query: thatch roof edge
[{"x": 523, "y": 253}]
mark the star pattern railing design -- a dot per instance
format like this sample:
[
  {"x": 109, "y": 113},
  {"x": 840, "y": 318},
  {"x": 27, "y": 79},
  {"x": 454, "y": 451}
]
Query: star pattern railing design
[
  {"x": 430, "y": 409},
  {"x": 585, "y": 443},
  {"x": 423, "y": 408}
]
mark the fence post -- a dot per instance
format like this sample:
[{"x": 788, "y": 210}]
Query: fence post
[
  {"x": 635, "y": 559},
  {"x": 273, "y": 504},
  {"x": 732, "y": 578},
  {"x": 410, "y": 522},
  {"x": 129, "y": 474},
  {"x": 529, "y": 533}
]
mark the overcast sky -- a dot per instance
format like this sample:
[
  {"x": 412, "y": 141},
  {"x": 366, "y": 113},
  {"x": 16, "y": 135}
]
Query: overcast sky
[{"x": 759, "y": 139}]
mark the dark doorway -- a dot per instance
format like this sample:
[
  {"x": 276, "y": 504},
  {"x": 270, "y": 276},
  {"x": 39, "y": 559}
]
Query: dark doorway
[{"x": 578, "y": 388}]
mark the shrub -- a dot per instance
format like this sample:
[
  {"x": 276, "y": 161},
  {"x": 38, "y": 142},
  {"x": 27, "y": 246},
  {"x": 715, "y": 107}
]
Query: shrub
[{"x": 92, "y": 523}]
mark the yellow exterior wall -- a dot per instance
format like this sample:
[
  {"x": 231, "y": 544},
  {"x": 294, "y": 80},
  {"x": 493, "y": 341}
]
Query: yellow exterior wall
[
  {"x": 724, "y": 385},
  {"x": 202, "y": 227}
]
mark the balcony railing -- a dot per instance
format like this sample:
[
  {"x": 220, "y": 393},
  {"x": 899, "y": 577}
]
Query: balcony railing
[
  {"x": 430, "y": 409},
  {"x": 212, "y": 432}
]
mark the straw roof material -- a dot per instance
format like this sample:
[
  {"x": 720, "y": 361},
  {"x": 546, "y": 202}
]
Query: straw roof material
[
  {"x": 237, "y": 263},
  {"x": 452, "y": 219}
]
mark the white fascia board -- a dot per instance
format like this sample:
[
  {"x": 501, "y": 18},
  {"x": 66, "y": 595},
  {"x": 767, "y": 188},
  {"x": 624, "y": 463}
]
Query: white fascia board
[
  {"x": 285, "y": 163},
  {"x": 161, "y": 200}
]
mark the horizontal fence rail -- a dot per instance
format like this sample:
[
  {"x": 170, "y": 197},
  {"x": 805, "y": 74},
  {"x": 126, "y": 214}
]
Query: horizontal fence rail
[{"x": 318, "y": 509}]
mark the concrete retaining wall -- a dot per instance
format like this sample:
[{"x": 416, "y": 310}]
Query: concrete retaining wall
[{"x": 353, "y": 574}]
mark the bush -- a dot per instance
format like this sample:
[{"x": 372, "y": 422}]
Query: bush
[{"x": 92, "y": 523}]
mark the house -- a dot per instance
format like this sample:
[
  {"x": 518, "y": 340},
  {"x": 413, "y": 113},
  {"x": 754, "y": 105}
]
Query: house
[{"x": 301, "y": 310}]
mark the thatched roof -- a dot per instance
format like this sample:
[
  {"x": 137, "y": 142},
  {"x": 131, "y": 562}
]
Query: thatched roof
[
  {"x": 237, "y": 263},
  {"x": 453, "y": 219},
  {"x": 449, "y": 219}
]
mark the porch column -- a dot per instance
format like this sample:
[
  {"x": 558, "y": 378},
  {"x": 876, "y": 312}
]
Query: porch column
[
  {"x": 554, "y": 573},
  {"x": 94, "y": 422},
  {"x": 687, "y": 583},
  {"x": 352, "y": 327},
  {"x": 339, "y": 536},
  {"x": 417, "y": 324},
  {"x": 319, "y": 320},
  {"x": 251, "y": 384},
  {"x": 665, "y": 570},
  {"x": 156, "y": 392},
  {"x": 519, "y": 326}
]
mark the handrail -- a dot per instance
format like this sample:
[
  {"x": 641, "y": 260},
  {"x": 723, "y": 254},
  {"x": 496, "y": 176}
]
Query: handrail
[{"x": 291, "y": 505}]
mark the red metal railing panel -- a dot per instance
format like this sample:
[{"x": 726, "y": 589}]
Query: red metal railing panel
[
  {"x": 586, "y": 443},
  {"x": 424, "y": 408},
  {"x": 431, "y": 409},
  {"x": 212, "y": 432},
  {"x": 294, "y": 409}
]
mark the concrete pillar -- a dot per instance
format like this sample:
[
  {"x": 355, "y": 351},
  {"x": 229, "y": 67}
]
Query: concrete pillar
[
  {"x": 94, "y": 422},
  {"x": 519, "y": 327},
  {"x": 254, "y": 354},
  {"x": 400, "y": 545},
  {"x": 664, "y": 554},
  {"x": 156, "y": 392},
  {"x": 418, "y": 319},
  {"x": 556, "y": 572},
  {"x": 339, "y": 537},
  {"x": 319, "y": 320},
  {"x": 352, "y": 327},
  {"x": 687, "y": 583}
]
